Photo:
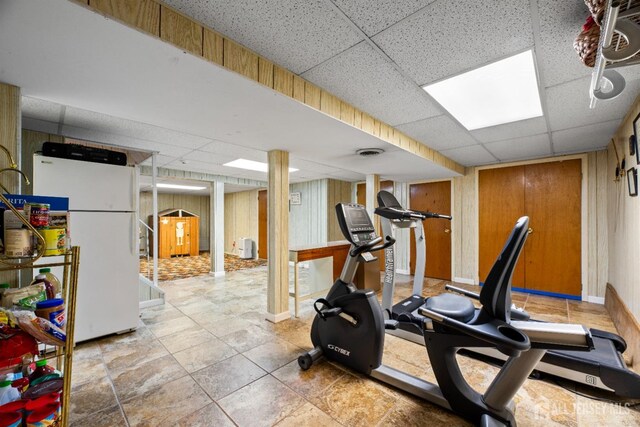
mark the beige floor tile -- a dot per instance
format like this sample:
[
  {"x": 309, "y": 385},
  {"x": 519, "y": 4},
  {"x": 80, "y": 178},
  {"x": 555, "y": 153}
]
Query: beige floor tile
[
  {"x": 261, "y": 403},
  {"x": 87, "y": 370},
  {"x": 223, "y": 378},
  {"x": 184, "y": 340},
  {"x": 210, "y": 415},
  {"x": 210, "y": 319},
  {"x": 146, "y": 376},
  {"x": 110, "y": 417},
  {"x": 410, "y": 413},
  {"x": 91, "y": 397},
  {"x": 170, "y": 402},
  {"x": 312, "y": 382},
  {"x": 355, "y": 402},
  {"x": 199, "y": 307},
  {"x": 162, "y": 313},
  {"x": 87, "y": 350},
  {"x": 116, "y": 342},
  {"x": 228, "y": 326},
  {"x": 180, "y": 324},
  {"x": 308, "y": 416},
  {"x": 273, "y": 354},
  {"x": 129, "y": 355},
  {"x": 248, "y": 338},
  {"x": 205, "y": 354},
  {"x": 591, "y": 412},
  {"x": 545, "y": 403}
]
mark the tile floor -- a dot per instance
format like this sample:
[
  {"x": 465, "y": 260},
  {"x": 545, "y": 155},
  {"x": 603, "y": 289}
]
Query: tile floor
[{"x": 208, "y": 358}]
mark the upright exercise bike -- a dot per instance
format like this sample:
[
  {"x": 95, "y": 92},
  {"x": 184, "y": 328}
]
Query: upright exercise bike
[
  {"x": 603, "y": 368},
  {"x": 349, "y": 328}
]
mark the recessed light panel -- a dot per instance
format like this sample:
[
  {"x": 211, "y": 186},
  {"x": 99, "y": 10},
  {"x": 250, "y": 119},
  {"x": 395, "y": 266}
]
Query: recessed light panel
[
  {"x": 502, "y": 92},
  {"x": 180, "y": 187},
  {"x": 251, "y": 165}
]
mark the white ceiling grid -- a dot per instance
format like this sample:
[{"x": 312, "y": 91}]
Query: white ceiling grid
[
  {"x": 406, "y": 44},
  {"x": 375, "y": 55}
]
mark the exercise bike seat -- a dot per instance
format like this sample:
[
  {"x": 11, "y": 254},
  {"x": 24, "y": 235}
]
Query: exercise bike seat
[{"x": 454, "y": 306}]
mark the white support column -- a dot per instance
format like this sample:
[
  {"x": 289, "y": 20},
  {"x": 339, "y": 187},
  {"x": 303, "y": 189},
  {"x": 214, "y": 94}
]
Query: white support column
[
  {"x": 216, "y": 232},
  {"x": 278, "y": 237},
  {"x": 154, "y": 198}
]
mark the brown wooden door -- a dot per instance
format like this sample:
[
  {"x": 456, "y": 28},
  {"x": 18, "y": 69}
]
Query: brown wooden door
[
  {"x": 434, "y": 197},
  {"x": 552, "y": 252},
  {"x": 262, "y": 225},
  {"x": 550, "y": 194},
  {"x": 501, "y": 203}
]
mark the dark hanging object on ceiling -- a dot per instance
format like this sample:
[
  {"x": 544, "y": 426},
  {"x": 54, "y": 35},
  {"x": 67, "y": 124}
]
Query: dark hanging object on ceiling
[
  {"x": 596, "y": 7},
  {"x": 586, "y": 44}
]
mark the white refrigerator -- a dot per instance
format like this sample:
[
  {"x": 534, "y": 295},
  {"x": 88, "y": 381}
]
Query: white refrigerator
[{"x": 103, "y": 222}]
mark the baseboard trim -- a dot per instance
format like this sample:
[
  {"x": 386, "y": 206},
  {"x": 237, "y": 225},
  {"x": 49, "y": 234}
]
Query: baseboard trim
[
  {"x": 625, "y": 322},
  {"x": 595, "y": 300},
  {"x": 277, "y": 318},
  {"x": 217, "y": 273},
  {"x": 464, "y": 281}
]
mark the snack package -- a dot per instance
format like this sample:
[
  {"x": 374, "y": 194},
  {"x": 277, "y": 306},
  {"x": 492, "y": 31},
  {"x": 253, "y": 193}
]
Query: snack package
[
  {"x": 39, "y": 328},
  {"x": 25, "y": 298}
]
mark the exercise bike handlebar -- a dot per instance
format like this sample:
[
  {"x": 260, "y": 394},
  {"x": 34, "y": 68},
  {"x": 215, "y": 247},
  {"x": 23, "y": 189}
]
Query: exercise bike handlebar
[
  {"x": 398, "y": 213},
  {"x": 373, "y": 246}
]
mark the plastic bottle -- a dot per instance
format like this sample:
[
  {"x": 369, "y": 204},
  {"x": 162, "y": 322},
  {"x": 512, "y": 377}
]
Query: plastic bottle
[
  {"x": 41, "y": 278},
  {"x": 55, "y": 282},
  {"x": 8, "y": 393},
  {"x": 41, "y": 370}
]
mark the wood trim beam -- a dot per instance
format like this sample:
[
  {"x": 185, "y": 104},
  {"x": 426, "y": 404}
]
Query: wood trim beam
[{"x": 202, "y": 41}]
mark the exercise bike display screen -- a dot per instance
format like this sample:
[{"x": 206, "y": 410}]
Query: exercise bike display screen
[{"x": 355, "y": 223}]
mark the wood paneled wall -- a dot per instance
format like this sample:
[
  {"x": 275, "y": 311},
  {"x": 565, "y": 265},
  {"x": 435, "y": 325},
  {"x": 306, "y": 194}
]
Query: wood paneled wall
[
  {"x": 31, "y": 143},
  {"x": 159, "y": 20},
  {"x": 240, "y": 218},
  {"x": 198, "y": 205},
  {"x": 337, "y": 192},
  {"x": 623, "y": 215},
  {"x": 308, "y": 220}
]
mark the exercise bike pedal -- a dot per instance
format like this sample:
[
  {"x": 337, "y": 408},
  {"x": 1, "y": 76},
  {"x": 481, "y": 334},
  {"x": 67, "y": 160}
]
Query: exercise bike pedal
[{"x": 391, "y": 324}]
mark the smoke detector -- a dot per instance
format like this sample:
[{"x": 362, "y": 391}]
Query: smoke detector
[{"x": 369, "y": 152}]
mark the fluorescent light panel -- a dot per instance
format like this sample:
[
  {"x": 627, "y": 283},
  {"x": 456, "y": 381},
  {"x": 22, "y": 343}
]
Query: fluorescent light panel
[
  {"x": 179, "y": 187},
  {"x": 502, "y": 92},
  {"x": 251, "y": 165}
]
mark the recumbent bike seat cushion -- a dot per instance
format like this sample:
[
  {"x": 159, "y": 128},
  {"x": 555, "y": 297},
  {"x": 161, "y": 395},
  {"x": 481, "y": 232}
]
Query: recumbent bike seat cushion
[{"x": 455, "y": 306}]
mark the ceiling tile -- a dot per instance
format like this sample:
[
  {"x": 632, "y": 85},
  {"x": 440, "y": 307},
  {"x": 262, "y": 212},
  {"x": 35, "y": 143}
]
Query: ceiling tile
[
  {"x": 207, "y": 157},
  {"x": 233, "y": 150},
  {"x": 450, "y": 37},
  {"x": 366, "y": 80},
  {"x": 294, "y": 34},
  {"x": 439, "y": 133},
  {"x": 586, "y": 138},
  {"x": 102, "y": 122},
  {"x": 123, "y": 141},
  {"x": 560, "y": 23},
  {"x": 39, "y": 109},
  {"x": 473, "y": 155},
  {"x": 568, "y": 104},
  {"x": 373, "y": 16},
  {"x": 518, "y": 129},
  {"x": 528, "y": 147}
]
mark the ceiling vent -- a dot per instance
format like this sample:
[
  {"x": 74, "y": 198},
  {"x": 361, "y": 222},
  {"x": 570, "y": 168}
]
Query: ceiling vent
[{"x": 369, "y": 152}]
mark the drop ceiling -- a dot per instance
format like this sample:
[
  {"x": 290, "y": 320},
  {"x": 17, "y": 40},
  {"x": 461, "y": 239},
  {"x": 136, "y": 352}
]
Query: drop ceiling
[{"x": 91, "y": 78}]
